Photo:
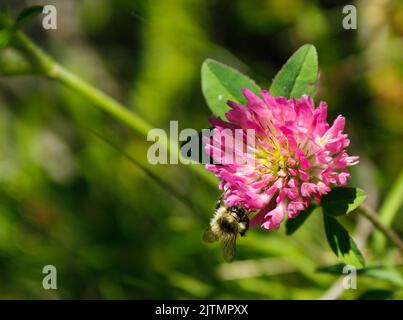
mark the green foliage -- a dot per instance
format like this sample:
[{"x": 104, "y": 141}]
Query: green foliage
[
  {"x": 341, "y": 243},
  {"x": 336, "y": 269},
  {"x": 384, "y": 273},
  {"x": 339, "y": 201},
  {"x": 292, "y": 225},
  {"x": 298, "y": 76},
  {"x": 113, "y": 233},
  {"x": 27, "y": 15},
  {"x": 389, "y": 209},
  {"x": 387, "y": 274},
  {"x": 6, "y": 35},
  {"x": 3, "y": 17},
  {"x": 221, "y": 83},
  {"x": 342, "y": 200},
  {"x": 9, "y": 28}
]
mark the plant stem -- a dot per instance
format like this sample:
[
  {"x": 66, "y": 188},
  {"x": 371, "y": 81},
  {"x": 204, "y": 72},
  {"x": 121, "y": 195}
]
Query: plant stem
[
  {"x": 57, "y": 72},
  {"x": 53, "y": 70},
  {"x": 372, "y": 216},
  {"x": 389, "y": 209},
  {"x": 162, "y": 183}
]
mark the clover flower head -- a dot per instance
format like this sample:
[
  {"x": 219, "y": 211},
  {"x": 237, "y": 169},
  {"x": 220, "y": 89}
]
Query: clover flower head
[{"x": 298, "y": 156}]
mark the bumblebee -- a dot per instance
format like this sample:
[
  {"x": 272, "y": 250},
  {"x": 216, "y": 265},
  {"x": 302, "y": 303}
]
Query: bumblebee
[{"x": 225, "y": 226}]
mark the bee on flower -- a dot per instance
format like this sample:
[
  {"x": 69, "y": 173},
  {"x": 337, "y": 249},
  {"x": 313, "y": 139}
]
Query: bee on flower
[{"x": 298, "y": 156}]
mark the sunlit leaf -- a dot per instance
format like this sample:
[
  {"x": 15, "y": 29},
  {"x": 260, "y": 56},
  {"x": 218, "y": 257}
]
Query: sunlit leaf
[
  {"x": 341, "y": 243},
  {"x": 298, "y": 76},
  {"x": 342, "y": 200},
  {"x": 292, "y": 225},
  {"x": 221, "y": 83}
]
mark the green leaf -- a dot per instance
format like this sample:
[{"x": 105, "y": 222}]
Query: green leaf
[
  {"x": 336, "y": 269},
  {"x": 26, "y": 15},
  {"x": 384, "y": 273},
  {"x": 341, "y": 200},
  {"x": 298, "y": 76},
  {"x": 221, "y": 83},
  {"x": 389, "y": 209},
  {"x": 5, "y": 37},
  {"x": 6, "y": 34},
  {"x": 341, "y": 243},
  {"x": 292, "y": 225}
]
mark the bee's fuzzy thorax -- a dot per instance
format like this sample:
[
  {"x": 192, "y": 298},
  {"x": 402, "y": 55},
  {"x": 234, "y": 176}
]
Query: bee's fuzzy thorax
[
  {"x": 226, "y": 224},
  {"x": 223, "y": 222}
]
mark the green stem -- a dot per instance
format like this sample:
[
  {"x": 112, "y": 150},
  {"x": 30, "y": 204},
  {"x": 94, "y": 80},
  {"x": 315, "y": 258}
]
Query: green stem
[
  {"x": 50, "y": 68},
  {"x": 162, "y": 183},
  {"x": 101, "y": 99},
  {"x": 373, "y": 217},
  {"x": 389, "y": 209},
  {"x": 55, "y": 71}
]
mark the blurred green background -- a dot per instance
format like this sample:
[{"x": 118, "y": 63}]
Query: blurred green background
[{"x": 71, "y": 200}]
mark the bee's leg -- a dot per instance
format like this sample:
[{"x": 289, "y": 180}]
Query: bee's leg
[
  {"x": 219, "y": 202},
  {"x": 245, "y": 226},
  {"x": 248, "y": 213}
]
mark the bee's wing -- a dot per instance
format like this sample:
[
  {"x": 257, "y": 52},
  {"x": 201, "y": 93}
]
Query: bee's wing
[
  {"x": 229, "y": 247},
  {"x": 209, "y": 236}
]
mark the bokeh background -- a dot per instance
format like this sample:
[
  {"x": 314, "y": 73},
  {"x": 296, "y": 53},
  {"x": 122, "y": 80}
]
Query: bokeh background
[{"x": 69, "y": 199}]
